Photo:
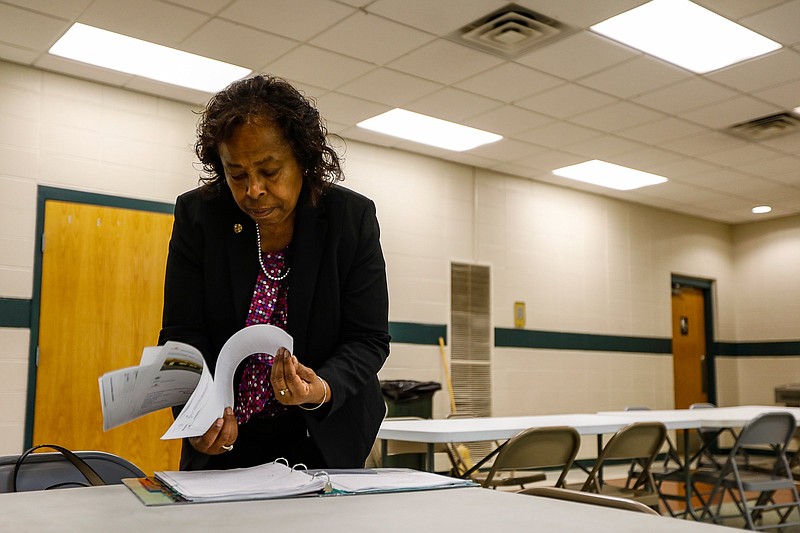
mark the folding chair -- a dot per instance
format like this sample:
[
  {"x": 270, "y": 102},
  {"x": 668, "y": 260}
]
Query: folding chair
[
  {"x": 640, "y": 441},
  {"x": 769, "y": 429},
  {"x": 63, "y": 469},
  {"x": 589, "y": 498},
  {"x": 530, "y": 450},
  {"x": 709, "y": 443}
]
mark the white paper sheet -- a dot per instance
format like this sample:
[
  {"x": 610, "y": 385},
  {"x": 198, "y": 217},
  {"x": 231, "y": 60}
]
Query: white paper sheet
[
  {"x": 176, "y": 374},
  {"x": 212, "y": 395}
]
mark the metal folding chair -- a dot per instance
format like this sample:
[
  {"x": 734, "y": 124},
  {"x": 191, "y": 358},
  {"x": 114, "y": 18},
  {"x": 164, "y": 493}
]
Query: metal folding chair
[
  {"x": 521, "y": 456},
  {"x": 773, "y": 430}
]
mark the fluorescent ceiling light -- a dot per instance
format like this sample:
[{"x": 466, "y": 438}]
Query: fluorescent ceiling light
[
  {"x": 609, "y": 175},
  {"x": 760, "y": 209},
  {"x": 685, "y": 34},
  {"x": 133, "y": 56},
  {"x": 428, "y": 130}
]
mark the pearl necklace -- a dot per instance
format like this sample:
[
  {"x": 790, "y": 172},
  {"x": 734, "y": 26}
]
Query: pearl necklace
[{"x": 261, "y": 261}]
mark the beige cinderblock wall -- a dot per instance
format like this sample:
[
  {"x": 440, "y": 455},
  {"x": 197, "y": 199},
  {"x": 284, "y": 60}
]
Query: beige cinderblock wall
[{"x": 582, "y": 263}]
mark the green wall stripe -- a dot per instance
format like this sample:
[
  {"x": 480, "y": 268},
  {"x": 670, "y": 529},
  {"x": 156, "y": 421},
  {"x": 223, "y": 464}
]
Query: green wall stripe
[
  {"x": 554, "y": 340},
  {"x": 15, "y": 313},
  {"x": 411, "y": 333},
  {"x": 749, "y": 349}
]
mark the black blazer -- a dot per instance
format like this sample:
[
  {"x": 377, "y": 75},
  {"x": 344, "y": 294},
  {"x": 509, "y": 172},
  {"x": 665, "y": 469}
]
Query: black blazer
[{"x": 338, "y": 303}]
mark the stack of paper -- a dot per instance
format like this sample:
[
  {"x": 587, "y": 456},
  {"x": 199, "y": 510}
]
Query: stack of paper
[{"x": 271, "y": 480}]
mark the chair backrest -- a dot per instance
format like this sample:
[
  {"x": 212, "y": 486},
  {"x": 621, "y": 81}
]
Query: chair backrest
[
  {"x": 41, "y": 471},
  {"x": 774, "y": 429},
  {"x": 536, "y": 448},
  {"x": 641, "y": 441},
  {"x": 589, "y": 498}
]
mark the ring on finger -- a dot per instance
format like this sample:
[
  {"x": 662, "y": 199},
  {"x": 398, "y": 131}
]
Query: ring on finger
[
  {"x": 283, "y": 392},
  {"x": 227, "y": 448}
]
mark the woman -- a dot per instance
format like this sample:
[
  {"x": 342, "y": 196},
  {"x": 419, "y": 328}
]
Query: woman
[{"x": 269, "y": 238}]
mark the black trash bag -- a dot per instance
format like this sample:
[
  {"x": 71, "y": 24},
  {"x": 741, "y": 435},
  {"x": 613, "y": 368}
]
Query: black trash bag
[{"x": 401, "y": 390}]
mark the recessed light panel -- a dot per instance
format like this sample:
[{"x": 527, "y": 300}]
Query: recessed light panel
[
  {"x": 428, "y": 130},
  {"x": 609, "y": 175},
  {"x": 685, "y": 34},
  {"x": 111, "y": 50},
  {"x": 761, "y": 209}
]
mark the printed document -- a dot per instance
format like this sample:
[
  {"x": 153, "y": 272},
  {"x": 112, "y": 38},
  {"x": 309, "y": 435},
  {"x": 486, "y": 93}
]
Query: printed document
[{"x": 176, "y": 374}]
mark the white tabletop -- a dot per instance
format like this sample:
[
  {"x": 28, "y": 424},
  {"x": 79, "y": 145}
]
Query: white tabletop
[
  {"x": 715, "y": 417},
  {"x": 498, "y": 428},
  {"x": 471, "y": 510}
]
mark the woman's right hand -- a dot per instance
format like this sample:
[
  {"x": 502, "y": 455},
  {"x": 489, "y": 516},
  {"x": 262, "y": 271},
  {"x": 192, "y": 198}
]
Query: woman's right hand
[{"x": 223, "y": 432}]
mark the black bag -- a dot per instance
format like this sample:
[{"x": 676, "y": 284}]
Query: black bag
[{"x": 407, "y": 390}]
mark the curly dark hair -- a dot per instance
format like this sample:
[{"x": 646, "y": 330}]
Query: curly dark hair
[{"x": 273, "y": 99}]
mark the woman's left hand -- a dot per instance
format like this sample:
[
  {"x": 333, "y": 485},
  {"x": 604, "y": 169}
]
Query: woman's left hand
[{"x": 294, "y": 383}]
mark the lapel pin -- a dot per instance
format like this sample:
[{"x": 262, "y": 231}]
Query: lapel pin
[{"x": 237, "y": 228}]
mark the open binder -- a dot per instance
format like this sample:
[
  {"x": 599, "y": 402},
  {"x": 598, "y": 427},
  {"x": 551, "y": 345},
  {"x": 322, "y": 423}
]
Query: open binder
[{"x": 278, "y": 480}]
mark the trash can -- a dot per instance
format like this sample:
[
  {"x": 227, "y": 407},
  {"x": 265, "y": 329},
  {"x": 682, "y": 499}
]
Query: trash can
[{"x": 407, "y": 398}]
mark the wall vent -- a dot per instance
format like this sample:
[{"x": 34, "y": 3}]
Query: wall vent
[
  {"x": 510, "y": 32},
  {"x": 767, "y": 127}
]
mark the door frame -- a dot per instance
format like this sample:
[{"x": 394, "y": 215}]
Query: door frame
[
  {"x": 43, "y": 194},
  {"x": 707, "y": 287}
]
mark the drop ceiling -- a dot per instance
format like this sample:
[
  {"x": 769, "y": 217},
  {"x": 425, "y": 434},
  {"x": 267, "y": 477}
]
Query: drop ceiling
[{"x": 574, "y": 98}]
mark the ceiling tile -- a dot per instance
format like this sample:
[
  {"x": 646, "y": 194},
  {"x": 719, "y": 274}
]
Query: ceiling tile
[
  {"x": 558, "y": 134},
  {"x": 66, "y": 9},
  {"x": 734, "y": 158},
  {"x": 453, "y": 104},
  {"x": 347, "y": 109},
  {"x": 509, "y": 82},
  {"x": 779, "y": 23},
  {"x": 371, "y": 38},
  {"x": 295, "y": 19},
  {"x": 786, "y": 96},
  {"x": 730, "y": 112},
  {"x": 736, "y": 9},
  {"x": 576, "y": 56},
  {"x": 603, "y": 147},
  {"x": 617, "y": 116},
  {"x": 508, "y": 120},
  {"x": 773, "y": 166},
  {"x": 211, "y": 7},
  {"x": 440, "y": 17},
  {"x": 549, "y": 160},
  {"x": 318, "y": 67},
  {"x": 566, "y": 101},
  {"x": 581, "y": 14},
  {"x": 634, "y": 77},
  {"x": 24, "y": 29},
  {"x": 703, "y": 143},
  {"x": 445, "y": 62},
  {"x": 661, "y": 130},
  {"x": 685, "y": 95},
  {"x": 149, "y": 20},
  {"x": 772, "y": 69},
  {"x": 17, "y": 54},
  {"x": 506, "y": 150},
  {"x": 646, "y": 159},
  {"x": 237, "y": 44},
  {"x": 389, "y": 87}
]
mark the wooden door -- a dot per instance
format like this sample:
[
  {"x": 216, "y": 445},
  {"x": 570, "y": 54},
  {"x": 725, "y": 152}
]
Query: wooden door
[
  {"x": 689, "y": 358},
  {"x": 101, "y": 301}
]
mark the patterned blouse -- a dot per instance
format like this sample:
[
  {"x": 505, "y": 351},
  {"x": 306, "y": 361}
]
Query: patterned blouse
[{"x": 269, "y": 305}]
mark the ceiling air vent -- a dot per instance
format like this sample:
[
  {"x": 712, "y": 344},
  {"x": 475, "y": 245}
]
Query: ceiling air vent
[
  {"x": 767, "y": 127},
  {"x": 510, "y": 32}
]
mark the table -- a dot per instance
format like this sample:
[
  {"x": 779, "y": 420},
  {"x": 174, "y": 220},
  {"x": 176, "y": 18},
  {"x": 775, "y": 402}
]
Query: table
[
  {"x": 467, "y": 510},
  {"x": 437, "y": 431}
]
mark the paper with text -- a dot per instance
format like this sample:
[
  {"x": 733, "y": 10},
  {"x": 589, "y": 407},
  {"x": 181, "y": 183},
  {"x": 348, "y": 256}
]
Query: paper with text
[{"x": 176, "y": 374}]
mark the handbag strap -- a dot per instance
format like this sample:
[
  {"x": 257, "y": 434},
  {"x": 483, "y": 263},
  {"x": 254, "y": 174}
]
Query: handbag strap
[{"x": 83, "y": 467}]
